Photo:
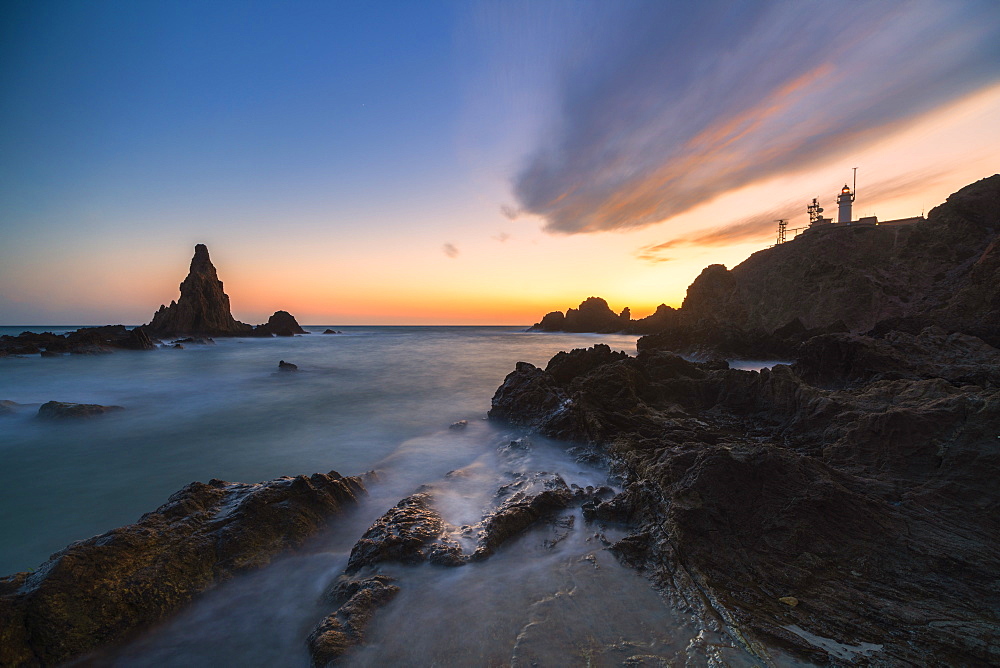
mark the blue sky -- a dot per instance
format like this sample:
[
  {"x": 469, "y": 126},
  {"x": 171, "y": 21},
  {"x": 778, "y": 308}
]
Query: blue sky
[{"x": 467, "y": 162}]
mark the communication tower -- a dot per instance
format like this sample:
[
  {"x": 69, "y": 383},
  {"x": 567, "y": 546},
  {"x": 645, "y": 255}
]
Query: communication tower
[
  {"x": 815, "y": 212},
  {"x": 782, "y": 224}
]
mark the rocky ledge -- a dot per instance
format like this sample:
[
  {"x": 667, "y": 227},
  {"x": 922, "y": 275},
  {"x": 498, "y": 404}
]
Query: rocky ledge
[
  {"x": 843, "y": 508},
  {"x": 84, "y": 341},
  {"x": 99, "y": 591}
]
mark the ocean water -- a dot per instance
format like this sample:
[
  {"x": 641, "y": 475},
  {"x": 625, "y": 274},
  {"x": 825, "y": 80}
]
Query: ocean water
[{"x": 371, "y": 398}]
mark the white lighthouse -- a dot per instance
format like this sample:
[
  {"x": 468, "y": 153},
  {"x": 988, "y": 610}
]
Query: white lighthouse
[{"x": 844, "y": 201}]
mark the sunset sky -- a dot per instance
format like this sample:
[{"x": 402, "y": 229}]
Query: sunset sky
[{"x": 460, "y": 162}]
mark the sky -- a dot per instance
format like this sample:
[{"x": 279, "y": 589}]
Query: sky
[{"x": 473, "y": 162}]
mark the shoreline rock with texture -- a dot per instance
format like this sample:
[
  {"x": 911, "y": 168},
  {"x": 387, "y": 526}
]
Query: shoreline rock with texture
[
  {"x": 98, "y": 591},
  {"x": 867, "y": 493}
]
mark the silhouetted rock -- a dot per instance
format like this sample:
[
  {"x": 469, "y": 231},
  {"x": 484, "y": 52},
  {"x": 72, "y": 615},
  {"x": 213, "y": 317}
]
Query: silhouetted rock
[
  {"x": 203, "y": 307},
  {"x": 60, "y": 410},
  {"x": 593, "y": 315},
  {"x": 282, "y": 323},
  {"x": 332, "y": 331},
  {"x": 84, "y": 341},
  {"x": 101, "y": 590}
]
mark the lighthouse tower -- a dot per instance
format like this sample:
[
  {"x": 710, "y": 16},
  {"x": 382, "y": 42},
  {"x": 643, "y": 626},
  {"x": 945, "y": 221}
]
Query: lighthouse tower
[{"x": 844, "y": 201}]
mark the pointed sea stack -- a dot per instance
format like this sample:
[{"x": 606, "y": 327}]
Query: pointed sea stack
[{"x": 202, "y": 309}]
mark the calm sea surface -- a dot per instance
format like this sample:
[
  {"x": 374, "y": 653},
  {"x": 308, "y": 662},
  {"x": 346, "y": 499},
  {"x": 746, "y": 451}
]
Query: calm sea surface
[{"x": 370, "y": 398}]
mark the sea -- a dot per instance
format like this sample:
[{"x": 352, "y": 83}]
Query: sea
[{"x": 368, "y": 398}]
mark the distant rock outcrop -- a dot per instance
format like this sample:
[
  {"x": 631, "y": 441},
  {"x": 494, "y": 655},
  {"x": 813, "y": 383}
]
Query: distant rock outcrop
[
  {"x": 282, "y": 323},
  {"x": 593, "y": 315},
  {"x": 84, "y": 341},
  {"x": 203, "y": 307}
]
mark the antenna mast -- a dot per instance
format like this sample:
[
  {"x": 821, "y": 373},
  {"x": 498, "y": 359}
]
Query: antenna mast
[
  {"x": 854, "y": 193},
  {"x": 782, "y": 224}
]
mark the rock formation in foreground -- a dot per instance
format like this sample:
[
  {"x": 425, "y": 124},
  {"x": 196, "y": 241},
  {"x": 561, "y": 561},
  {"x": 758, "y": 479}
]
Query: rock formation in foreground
[
  {"x": 100, "y": 590},
  {"x": 942, "y": 271},
  {"x": 844, "y": 509},
  {"x": 203, "y": 307}
]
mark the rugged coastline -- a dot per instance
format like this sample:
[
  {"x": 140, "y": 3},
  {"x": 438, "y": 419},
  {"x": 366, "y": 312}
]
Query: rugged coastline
[
  {"x": 841, "y": 508},
  {"x": 942, "y": 271}
]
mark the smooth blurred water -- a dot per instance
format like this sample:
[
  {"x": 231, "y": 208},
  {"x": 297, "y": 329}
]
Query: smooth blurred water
[{"x": 225, "y": 411}]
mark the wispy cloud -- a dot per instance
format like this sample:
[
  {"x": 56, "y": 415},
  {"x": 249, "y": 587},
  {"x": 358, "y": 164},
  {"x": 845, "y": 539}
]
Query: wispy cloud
[
  {"x": 450, "y": 250},
  {"x": 681, "y": 102},
  {"x": 763, "y": 224},
  {"x": 509, "y": 212},
  {"x": 501, "y": 237}
]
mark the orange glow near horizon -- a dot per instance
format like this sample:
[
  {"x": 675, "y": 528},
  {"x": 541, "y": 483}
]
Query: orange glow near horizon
[{"x": 513, "y": 278}]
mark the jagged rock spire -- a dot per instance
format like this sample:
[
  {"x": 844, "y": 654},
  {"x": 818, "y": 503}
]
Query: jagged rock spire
[{"x": 203, "y": 307}]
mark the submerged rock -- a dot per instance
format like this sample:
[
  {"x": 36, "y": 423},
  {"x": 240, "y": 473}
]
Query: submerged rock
[
  {"x": 61, "y": 410},
  {"x": 287, "y": 366},
  {"x": 100, "y": 590}
]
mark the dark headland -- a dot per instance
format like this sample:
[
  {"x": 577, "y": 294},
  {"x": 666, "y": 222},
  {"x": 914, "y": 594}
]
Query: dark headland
[
  {"x": 843, "y": 508},
  {"x": 853, "y": 492},
  {"x": 942, "y": 271}
]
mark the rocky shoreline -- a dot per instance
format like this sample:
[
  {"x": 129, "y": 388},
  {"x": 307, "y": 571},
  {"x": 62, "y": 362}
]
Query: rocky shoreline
[{"x": 843, "y": 509}]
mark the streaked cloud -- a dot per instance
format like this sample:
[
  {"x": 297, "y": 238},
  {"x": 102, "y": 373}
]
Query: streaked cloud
[
  {"x": 450, "y": 250},
  {"x": 673, "y": 104},
  {"x": 501, "y": 237},
  {"x": 750, "y": 228}
]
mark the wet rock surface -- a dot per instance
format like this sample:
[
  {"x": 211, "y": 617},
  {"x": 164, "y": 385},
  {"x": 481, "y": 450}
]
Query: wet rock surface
[
  {"x": 100, "y": 590},
  {"x": 859, "y": 482},
  {"x": 358, "y": 600},
  {"x": 414, "y": 532}
]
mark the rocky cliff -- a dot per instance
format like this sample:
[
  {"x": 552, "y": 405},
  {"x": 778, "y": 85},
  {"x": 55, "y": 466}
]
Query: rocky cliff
[
  {"x": 203, "y": 307},
  {"x": 942, "y": 271}
]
